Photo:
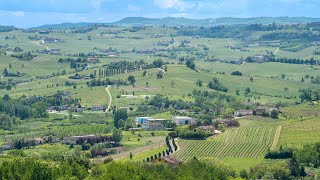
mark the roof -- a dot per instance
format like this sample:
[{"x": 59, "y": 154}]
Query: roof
[
  {"x": 244, "y": 110},
  {"x": 155, "y": 124},
  {"x": 144, "y": 117},
  {"x": 96, "y": 105},
  {"x": 182, "y": 117},
  {"x": 172, "y": 160},
  {"x": 38, "y": 139},
  {"x": 263, "y": 107},
  {"x": 206, "y": 127},
  {"x": 153, "y": 119},
  {"x": 83, "y": 136}
]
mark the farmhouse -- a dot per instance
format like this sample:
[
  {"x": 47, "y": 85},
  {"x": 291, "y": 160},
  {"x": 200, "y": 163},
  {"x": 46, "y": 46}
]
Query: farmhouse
[
  {"x": 74, "y": 139},
  {"x": 209, "y": 128},
  {"x": 227, "y": 122},
  {"x": 97, "y": 108},
  {"x": 78, "y": 110},
  {"x": 93, "y": 60},
  {"x": 152, "y": 126},
  {"x": 262, "y": 109},
  {"x": 182, "y": 120},
  {"x": 168, "y": 160},
  {"x": 142, "y": 120},
  {"x": 43, "y": 32},
  {"x": 38, "y": 140},
  {"x": 217, "y": 132},
  {"x": 145, "y": 51},
  {"x": 7, "y": 146},
  {"x": 55, "y": 52},
  {"x": 243, "y": 112}
]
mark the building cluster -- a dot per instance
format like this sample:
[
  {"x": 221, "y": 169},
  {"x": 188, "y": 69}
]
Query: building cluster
[
  {"x": 258, "y": 111},
  {"x": 150, "y": 123}
]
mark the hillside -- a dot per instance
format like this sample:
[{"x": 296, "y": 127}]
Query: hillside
[{"x": 171, "y": 21}]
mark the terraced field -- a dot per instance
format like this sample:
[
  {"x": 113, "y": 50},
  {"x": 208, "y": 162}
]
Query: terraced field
[{"x": 248, "y": 142}]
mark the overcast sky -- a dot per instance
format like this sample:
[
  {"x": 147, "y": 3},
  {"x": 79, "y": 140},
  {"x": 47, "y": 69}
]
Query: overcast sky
[{"x": 30, "y": 13}]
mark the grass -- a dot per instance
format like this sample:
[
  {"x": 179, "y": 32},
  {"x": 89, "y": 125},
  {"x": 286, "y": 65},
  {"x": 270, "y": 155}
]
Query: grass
[
  {"x": 47, "y": 149},
  {"x": 302, "y": 110},
  {"x": 301, "y": 132},
  {"x": 242, "y": 163},
  {"x": 144, "y": 155}
]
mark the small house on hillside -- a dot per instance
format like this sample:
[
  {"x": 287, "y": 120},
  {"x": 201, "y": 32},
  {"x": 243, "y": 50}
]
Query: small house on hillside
[
  {"x": 183, "y": 120},
  {"x": 243, "y": 112},
  {"x": 227, "y": 122},
  {"x": 55, "y": 52},
  {"x": 209, "y": 128},
  {"x": 152, "y": 126},
  {"x": 97, "y": 108},
  {"x": 6, "y": 146},
  {"x": 217, "y": 132},
  {"x": 142, "y": 120},
  {"x": 168, "y": 160},
  {"x": 38, "y": 141},
  {"x": 262, "y": 109},
  {"x": 74, "y": 139},
  {"x": 43, "y": 32}
]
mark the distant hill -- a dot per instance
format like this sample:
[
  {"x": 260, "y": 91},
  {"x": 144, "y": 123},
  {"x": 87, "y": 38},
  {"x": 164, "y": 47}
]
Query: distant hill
[
  {"x": 170, "y": 21},
  {"x": 7, "y": 28},
  {"x": 65, "y": 25}
]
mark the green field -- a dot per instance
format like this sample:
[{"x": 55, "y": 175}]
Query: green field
[
  {"x": 239, "y": 143},
  {"x": 299, "y": 133}
]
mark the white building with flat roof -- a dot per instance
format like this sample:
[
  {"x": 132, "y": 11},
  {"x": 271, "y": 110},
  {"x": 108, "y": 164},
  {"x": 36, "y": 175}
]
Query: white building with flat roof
[{"x": 182, "y": 120}]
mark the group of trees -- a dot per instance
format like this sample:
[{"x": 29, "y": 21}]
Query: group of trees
[
  {"x": 192, "y": 134},
  {"x": 7, "y": 73},
  {"x": 67, "y": 168},
  {"x": 190, "y": 64},
  {"x": 7, "y": 28},
  {"x": 105, "y": 82},
  {"x": 7, "y": 122},
  {"x": 192, "y": 169},
  {"x": 315, "y": 80},
  {"x": 24, "y": 57},
  {"x": 282, "y": 153},
  {"x": 310, "y": 94},
  {"x": 94, "y": 140},
  {"x": 292, "y": 166},
  {"x": 217, "y": 85},
  {"x": 7, "y": 84},
  {"x": 23, "y": 143},
  {"x": 161, "y": 102},
  {"x": 310, "y": 61},
  {"x": 120, "y": 117},
  {"x": 167, "y": 152},
  {"x": 77, "y": 63},
  {"x": 22, "y": 108},
  {"x": 236, "y": 73}
]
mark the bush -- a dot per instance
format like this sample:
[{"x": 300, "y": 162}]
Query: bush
[
  {"x": 236, "y": 73},
  {"x": 280, "y": 154}
]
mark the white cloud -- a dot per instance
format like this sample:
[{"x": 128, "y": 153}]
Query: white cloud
[
  {"x": 174, "y": 4},
  {"x": 18, "y": 13}
]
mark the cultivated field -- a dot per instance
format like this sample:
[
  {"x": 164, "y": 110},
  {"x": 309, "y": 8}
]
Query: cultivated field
[{"x": 239, "y": 143}]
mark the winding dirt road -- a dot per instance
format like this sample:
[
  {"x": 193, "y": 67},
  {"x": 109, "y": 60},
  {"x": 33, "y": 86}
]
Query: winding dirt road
[{"x": 110, "y": 98}]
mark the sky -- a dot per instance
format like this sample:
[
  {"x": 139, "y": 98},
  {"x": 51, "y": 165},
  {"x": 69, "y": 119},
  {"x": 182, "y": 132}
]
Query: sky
[{"x": 31, "y": 13}]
